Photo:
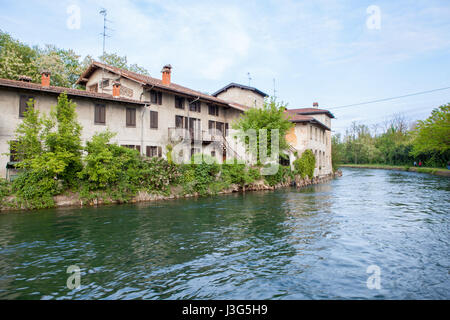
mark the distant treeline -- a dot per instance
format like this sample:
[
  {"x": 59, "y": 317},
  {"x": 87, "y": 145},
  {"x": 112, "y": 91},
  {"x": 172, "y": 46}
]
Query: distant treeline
[{"x": 397, "y": 142}]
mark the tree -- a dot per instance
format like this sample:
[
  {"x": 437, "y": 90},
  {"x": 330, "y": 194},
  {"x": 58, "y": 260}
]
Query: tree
[
  {"x": 270, "y": 117},
  {"x": 63, "y": 64},
  {"x": 16, "y": 59},
  {"x": 121, "y": 62},
  {"x": 433, "y": 134}
]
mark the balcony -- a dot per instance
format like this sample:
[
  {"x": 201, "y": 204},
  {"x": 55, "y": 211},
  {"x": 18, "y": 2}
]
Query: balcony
[{"x": 177, "y": 134}]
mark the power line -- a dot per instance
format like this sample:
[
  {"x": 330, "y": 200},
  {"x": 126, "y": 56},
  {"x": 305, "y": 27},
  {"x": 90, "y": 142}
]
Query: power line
[{"x": 391, "y": 98}]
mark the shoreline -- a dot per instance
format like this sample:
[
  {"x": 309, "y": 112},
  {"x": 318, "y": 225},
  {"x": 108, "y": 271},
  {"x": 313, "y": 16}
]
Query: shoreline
[
  {"x": 73, "y": 200},
  {"x": 433, "y": 171}
]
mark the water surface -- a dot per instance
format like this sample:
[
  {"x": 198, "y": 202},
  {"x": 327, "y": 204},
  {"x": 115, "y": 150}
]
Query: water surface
[{"x": 314, "y": 243}]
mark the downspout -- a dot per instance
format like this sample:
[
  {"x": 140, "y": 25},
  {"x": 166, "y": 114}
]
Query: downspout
[{"x": 142, "y": 118}]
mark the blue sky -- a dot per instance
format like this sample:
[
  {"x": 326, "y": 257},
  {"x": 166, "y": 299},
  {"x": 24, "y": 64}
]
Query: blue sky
[{"x": 316, "y": 50}]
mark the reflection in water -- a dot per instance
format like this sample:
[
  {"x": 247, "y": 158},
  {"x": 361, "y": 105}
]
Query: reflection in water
[{"x": 289, "y": 244}]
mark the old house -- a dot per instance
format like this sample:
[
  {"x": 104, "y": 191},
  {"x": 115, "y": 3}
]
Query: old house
[{"x": 149, "y": 113}]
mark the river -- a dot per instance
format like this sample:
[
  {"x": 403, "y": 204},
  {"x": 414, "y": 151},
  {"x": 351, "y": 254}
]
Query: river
[{"x": 313, "y": 243}]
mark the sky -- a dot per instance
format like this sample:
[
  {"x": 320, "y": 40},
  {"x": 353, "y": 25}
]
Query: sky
[{"x": 328, "y": 51}]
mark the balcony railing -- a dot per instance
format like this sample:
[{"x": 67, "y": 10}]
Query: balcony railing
[{"x": 176, "y": 134}]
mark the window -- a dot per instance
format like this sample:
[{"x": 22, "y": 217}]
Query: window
[
  {"x": 93, "y": 88},
  {"x": 213, "y": 154},
  {"x": 156, "y": 97},
  {"x": 131, "y": 117},
  {"x": 24, "y": 105},
  {"x": 153, "y": 151},
  {"x": 218, "y": 128},
  {"x": 195, "y": 106},
  {"x": 132, "y": 147},
  {"x": 153, "y": 120},
  {"x": 179, "y": 103},
  {"x": 213, "y": 110},
  {"x": 100, "y": 114},
  {"x": 179, "y": 122},
  {"x": 104, "y": 83}
]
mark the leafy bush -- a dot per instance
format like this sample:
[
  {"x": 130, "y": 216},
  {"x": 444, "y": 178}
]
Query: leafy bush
[
  {"x": 239, "y": 174},
  {"x": 282, "y": 176},
  {"x": 35, "y": 189},
  {"x": 5, "y": 190},
  {"x": 158, "y": 174},
  {"x": 304, "y": 166}
]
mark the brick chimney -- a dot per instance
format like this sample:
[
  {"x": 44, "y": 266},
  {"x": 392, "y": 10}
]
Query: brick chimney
[
  {"x": 116, "y": 89},
  {"x": 45, "y": 80},
  {"x": 315, "y": 105},
  {"x": 166, "y": 72}
]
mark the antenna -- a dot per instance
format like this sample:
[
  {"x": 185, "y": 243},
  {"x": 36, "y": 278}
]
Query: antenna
[
  {"x": 104, "y": 34},
  {"x": 249, "y": 78}
]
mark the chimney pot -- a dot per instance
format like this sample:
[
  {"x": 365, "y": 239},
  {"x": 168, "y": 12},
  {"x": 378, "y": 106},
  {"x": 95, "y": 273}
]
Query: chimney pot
[
  {"x": 166, "y": 74},
  {"x": 45, "y": 80},
  {"x": 316, "y": 105},
  {"x": 116, "y": 89}
]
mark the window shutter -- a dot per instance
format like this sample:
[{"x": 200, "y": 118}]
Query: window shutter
[
  {"x": 160, "y": 98},
  {"x": 160, "y": 152},
  {"x": 153, "y": 120},
  {"x": 147, "y": 153},
  {"x": 138, "y": 148}
]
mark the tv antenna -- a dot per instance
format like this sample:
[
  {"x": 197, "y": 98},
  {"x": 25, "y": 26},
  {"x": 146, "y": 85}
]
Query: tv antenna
[
  {"x": 249, "y": 78},
  {"x": 105, "y": 35}
]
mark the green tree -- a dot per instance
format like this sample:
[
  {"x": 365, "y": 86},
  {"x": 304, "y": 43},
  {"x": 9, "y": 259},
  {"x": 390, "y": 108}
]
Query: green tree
[
  {"x": 433, "y": 134},
  {"x": 17, "y": 59},
  {"x": 121, "y": 62},
  {"x": 270, "y": 117}
]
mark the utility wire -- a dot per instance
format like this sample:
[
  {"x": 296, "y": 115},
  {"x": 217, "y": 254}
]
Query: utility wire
[{"x": 387, "y": 99}]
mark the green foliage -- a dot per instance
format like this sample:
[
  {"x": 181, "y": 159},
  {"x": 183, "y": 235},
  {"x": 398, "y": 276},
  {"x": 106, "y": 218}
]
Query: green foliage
[
  {"x": 34, "y": 189},
  {"x": 305, "y": 165},
  {"x": 200, "y": 177},
  {"x": 432, "y": 137},
  {"x": 282, "y": 176},
  {"x": 158, "y": 174},
  {"x": 5, "y": 190},
  {"x": 270, "y": 117},
  {"x": 239, "y": 174},
  {"x": 169, "y": 149},
  {"x": 17, "y": 59},
  {"x": 121, "y": 62}
]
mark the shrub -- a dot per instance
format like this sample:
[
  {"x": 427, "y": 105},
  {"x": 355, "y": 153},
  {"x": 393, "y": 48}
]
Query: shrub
[
  {"x": 282, "y": 176},
  {"x": 5, "y": 190},
  {"x": 35, "y": 189},
  {"x": 158, "y": 174},
  {"x": 304, "y": 166}
]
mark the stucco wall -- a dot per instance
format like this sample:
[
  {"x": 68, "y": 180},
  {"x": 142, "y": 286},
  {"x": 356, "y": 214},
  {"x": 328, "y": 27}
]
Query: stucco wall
[{"x": 242, "y": 96}]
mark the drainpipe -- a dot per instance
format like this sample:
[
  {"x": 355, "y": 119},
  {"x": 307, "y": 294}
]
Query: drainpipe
[{"x": 146, "y": 106}]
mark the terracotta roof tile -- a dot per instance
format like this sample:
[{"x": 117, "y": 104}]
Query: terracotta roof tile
[
  {"x": 150, "y": 81},
  {"x": 70, "y": 92}
]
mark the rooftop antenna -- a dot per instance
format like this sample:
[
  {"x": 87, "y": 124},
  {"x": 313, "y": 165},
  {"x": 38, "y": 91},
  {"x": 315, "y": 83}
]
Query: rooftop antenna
[
  {"x": 249, "y": 78},
  {"x": 104, "y": 34}
]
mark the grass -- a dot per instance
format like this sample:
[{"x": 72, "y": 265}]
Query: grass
[{"x": 439, "y": 171}]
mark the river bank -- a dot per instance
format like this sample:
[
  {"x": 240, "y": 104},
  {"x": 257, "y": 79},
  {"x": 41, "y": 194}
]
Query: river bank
[
  {"x": 435, "y": 171},
  {"x": 70, "y": 199}
]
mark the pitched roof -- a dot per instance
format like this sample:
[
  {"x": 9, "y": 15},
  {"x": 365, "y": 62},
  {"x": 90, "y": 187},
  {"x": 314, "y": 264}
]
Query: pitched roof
[
  {"x": 309, "y": 111},
  {"x": 148, "y": 81},
  {"x": 7, "y": 83},
  {"x": 300, "y": 118},
  {"x": 241, "y": 86}
]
